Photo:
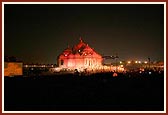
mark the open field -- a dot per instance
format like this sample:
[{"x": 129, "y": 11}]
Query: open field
[{"x": 98, "y": 92}]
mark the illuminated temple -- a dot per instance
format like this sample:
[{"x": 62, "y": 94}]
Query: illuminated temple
[{"x": 80, "y": 56}]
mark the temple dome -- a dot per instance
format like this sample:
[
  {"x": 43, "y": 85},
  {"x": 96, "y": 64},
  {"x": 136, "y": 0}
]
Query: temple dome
[
  {"x": 70, "y": 55},
  {"x": 80, "y": 45},
  {"x": 67, "y": 51}
]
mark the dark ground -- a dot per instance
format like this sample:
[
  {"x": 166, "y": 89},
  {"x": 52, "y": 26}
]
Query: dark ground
[{"x": 100, "y": 92}]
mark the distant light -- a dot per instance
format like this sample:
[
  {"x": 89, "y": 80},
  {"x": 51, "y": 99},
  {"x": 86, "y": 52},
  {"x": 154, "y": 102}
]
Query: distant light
[
  {"x": 57, "y": 69},
  {"x": 139, "y": 62},
  {"x": 150, "y": 73},
  {"x": 129, "y": 61},
  {"x": 85, "y": 54},
  {"x": 136, "y": 61},
  {"x": 121, "y": 65},
  {"x": 145, "y": 62},
  {"x": 65, "y": 54},
  {"x": 79, "y": 50},
  {"x": 115, "y": 75},
  {"x": 120, "y": 62},
  {"x": 43, "y": 65}
]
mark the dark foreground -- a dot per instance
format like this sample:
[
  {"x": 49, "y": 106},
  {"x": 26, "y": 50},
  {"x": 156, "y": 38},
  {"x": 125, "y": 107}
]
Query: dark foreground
[{"x": 100, "y": 92}]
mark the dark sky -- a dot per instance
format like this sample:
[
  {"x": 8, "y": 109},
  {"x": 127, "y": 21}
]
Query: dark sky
[{"x": 39, "y": 33}]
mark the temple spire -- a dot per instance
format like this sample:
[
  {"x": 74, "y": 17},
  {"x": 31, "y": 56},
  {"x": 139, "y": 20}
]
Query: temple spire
[
  {"x": 81, "y": 39},
  {"x": 68, "y": 46}
]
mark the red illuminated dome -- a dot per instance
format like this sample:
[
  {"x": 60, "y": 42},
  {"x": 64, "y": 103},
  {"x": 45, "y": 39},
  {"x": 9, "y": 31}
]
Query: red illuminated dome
[
  {"x": 81, "y": 56},
  {"x": 67, "y": 51}
]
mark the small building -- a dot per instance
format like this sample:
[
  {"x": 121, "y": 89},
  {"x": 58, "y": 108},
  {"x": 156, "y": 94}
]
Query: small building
[
  {"x": 12, "y": 67},
  {"x": 80, "y": 56}
]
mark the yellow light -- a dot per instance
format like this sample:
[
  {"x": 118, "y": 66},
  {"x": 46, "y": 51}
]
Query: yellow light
[
  {"x": 120, "y": 62},
  {"x": 129, "y": 61},
  {"x": 136, "y": 61},
  {"x": 145, "y": 62}
]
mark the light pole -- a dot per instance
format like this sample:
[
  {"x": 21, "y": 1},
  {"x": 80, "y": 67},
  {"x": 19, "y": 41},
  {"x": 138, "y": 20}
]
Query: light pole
[
  {"x": 116, "y": 60},
  {"x": 149, "y": 62}
]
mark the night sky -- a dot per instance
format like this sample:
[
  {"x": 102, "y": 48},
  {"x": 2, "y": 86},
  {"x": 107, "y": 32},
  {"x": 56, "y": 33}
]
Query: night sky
[{"x": 39, "y": 33}]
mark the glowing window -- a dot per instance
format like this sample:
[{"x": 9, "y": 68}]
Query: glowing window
[
  {"x": 85, "y": 62},
  {"x": 89, "y": 63}
]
